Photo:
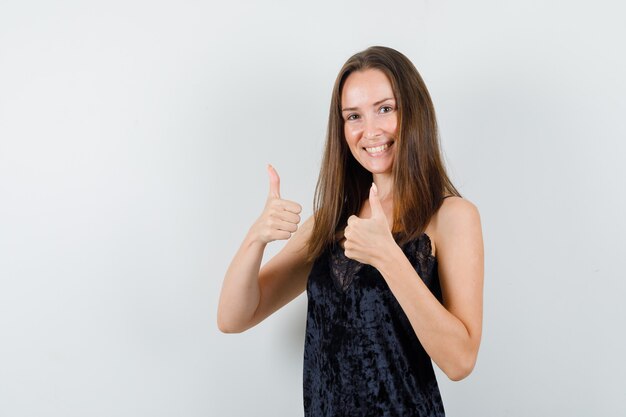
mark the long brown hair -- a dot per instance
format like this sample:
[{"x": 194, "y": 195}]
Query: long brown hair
[{"x": 420, "y": 178}]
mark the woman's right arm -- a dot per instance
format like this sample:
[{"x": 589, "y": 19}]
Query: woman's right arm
[{"x": 249, "y": 295}]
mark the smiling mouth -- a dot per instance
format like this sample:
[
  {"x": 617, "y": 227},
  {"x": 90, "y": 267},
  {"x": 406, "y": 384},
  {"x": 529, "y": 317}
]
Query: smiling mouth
[{"x": 378, "y": 149}]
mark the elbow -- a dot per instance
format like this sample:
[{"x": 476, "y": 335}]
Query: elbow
[
  {"x": 229, "y": 326},
  {"x": 461, "y": 370},
  {"x": 458, "y": 374},
  {"x": 225, "y": 327}
]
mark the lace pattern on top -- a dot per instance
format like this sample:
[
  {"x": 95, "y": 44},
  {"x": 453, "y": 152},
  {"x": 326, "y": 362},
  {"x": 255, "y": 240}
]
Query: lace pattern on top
[{"x": 344, "y": 269}]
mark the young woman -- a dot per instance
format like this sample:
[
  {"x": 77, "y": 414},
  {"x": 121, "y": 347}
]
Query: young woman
[{"x": 392, "y": 258}]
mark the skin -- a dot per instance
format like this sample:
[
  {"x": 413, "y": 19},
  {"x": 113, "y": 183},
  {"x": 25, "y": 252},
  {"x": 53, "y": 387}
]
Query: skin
[
  {"x": 450, "y": 332},
  {"x": 370, "y": 119}
]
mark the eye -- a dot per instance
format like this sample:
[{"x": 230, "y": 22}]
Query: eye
[
  {"x": 386, "y": 109},
  {"x": 352, "y": 117}
]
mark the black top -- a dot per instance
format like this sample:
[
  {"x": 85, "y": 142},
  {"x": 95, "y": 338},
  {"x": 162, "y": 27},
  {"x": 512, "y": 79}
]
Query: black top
[{"x": 361, "y": 355}]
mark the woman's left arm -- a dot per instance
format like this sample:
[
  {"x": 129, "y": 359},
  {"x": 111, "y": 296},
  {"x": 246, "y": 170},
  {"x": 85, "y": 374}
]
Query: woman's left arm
[{"x": 450, "y": 333}]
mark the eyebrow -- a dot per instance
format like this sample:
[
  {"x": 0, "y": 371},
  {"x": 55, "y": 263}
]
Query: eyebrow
[{"x": 374, "y": 105}]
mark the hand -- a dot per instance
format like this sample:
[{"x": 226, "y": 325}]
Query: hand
[
  {"x": 280, "y": 217},
  {"x": 368, "y": 240}
]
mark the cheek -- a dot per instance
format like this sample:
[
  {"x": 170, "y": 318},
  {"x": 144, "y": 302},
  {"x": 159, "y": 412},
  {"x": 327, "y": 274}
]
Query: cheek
[
  {"x": 392, "y": 126},
  {"x": 351, "y": 133}
]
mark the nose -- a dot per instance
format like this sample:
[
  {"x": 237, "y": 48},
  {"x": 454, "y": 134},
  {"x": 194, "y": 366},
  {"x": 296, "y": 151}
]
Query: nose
[{"x": 371, "y": 130}]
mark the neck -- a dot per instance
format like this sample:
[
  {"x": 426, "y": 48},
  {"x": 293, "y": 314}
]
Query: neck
[{"x": 384, "y": 184}]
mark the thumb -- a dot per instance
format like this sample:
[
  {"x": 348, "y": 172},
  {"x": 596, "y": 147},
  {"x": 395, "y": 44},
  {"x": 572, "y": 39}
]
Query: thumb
[
  {"x": 274, "y": 182},
  {"x": 375, "y": 205}
]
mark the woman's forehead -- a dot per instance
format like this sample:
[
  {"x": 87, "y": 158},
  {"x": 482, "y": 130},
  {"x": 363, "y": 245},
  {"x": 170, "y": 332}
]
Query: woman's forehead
[{"x": 366, "y": 87}]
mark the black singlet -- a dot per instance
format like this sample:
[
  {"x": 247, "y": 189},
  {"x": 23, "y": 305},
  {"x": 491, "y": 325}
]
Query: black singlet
[{"x": 361, "y": 355}]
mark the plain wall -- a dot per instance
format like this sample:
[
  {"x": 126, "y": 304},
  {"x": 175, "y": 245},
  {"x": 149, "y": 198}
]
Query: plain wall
[{"x": 134, "y": 137}]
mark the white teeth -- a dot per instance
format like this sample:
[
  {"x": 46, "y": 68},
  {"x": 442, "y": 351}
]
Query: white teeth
[{"x": 377, "y": 149}]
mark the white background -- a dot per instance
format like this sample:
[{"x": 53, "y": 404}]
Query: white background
[{"x": 134, "y": 137}]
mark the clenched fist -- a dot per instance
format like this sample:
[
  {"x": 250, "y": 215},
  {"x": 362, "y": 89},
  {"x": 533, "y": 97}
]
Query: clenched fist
[
  {"x": 280, "y": 217},
  {"x": 369, "y": 240}
]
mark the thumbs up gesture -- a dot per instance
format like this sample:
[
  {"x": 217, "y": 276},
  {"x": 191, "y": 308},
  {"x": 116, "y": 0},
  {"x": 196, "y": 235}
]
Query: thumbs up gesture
[
  {"x": 280, "y": 217},
  {"x": 368, "y": 240}
]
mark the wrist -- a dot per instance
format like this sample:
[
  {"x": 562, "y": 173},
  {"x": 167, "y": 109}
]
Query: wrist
[
  {"x": 388, "y": 257},
  {"x": 253, "y": 238}
]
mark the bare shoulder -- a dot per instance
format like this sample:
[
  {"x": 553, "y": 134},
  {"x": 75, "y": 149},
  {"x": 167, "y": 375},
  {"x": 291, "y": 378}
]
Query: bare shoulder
[
  {"x": 307, "y": 225},
  {"x": 299, "y": 240},
  {"x": 457, "y": 218},
  {"x": 457, "y": 209}
]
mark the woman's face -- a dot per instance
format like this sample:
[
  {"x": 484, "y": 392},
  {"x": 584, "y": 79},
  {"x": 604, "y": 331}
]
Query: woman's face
[{"x": 370, "y": 116}]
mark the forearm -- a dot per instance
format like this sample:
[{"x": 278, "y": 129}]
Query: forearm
[
  {"x": 240, "y": 293},
  {"x": 444, "y": 337}
]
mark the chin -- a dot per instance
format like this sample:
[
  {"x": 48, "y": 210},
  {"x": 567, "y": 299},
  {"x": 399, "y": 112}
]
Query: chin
[
  {"x": 384, "y": 168},
  {"x": 378, "y": 170}
]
